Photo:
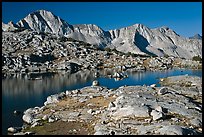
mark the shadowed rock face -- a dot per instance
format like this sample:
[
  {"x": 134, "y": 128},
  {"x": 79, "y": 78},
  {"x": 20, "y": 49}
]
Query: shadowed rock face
[
  {"x": 42, "y": 59},
  {"x": 137, "y": 38},
  {"x": 142, "y": 43}
]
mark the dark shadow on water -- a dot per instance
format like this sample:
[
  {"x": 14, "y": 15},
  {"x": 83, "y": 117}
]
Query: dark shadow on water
[{"x": 45, "y": 74}]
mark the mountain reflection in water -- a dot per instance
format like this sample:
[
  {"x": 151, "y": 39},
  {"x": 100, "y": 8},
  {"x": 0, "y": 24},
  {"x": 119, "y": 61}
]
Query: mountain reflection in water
[{"x": 53, "y": 83}]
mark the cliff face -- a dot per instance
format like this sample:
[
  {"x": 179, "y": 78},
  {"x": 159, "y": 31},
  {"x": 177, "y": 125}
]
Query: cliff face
[
  {"x": 160, "y": 41},
  {"x": 45, "y": 21}
]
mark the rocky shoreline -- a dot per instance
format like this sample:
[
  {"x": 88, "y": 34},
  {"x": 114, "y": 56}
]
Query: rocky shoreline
[
  {"x": 29, "y": 51},
  {"x": 175, "y": 108}
]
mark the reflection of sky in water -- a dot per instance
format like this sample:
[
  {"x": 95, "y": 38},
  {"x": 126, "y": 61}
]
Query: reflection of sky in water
[
  {"x": 146, "y": 78},
  {"x": 20, "y": 94}
]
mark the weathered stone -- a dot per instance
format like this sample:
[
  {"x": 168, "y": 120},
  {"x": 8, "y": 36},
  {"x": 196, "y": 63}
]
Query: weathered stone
[
  {"x": 54, "y": 98},
  {"x": 175, "y": 119},
  {"x": 111, "y": 105},
  {"x": 90, "y": 111},
  {"x": 68, "y": 115},
  {"x": 163, "y": 91},
  {"x": 196, "y": 122},
  {"x": 86, "y": 117},
  {"x": 35, "y": 124},
  {"x": 28, "y": 118},
  {"x": 98, "y": 133},
  {"x": 29, "y": 133},
  {"x": 116, "y": 75},
  {"x": 83, "y": 99},
  {"x": 50, "y": 120},
  {"x": 159, "y": 108},
  {"x": 75, "y": 91},
  {"x": 16, "y": 112},
  {"x": 153, "y": 85},
  {"x": 161, "y": 79},
  {"x": 156, "y": 115},
  {"x": 131, "y": 111},
  {"x": 31, "y": 111},
  {"x": 68, "y": 93},
  {"x": 174, "y": 130},
  {"x": 19, "y": 133},
  {"x": 45, "y": 117},
  {"x": 12, "y": 129},
  {"x": 74, "y": 114},
  {"x": 95, "y": 83},
  {"x": 96, "y": 112}
]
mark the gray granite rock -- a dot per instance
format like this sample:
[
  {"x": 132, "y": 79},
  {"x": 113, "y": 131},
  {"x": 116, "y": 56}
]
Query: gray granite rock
[
  {"x": 131, "y": 111},
  {"x": 28, "y": 118},
  {"x": 54, "y": 98},
  {"x": 14, "y": 129},
  {"x": 156, "y": 115},
  {"x": 95, "y": 83},
  {"x": 163, "y": 91},
  {"x": 196, "y": 122},
  {"x": 175, "y": 130}
]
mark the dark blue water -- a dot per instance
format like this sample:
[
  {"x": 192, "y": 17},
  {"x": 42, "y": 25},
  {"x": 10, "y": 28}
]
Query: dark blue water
[
  {"x": 146, "y": 78},
  {"x": 18, "y": 93}
]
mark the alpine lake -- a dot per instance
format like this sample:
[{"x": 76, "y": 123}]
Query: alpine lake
[{"x": 19, "y": 92}]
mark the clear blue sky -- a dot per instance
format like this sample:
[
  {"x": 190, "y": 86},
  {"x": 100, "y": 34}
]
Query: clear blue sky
[{"x": 183, "y": 17}]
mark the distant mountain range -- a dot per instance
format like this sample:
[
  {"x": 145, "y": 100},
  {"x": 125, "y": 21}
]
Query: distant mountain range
[
  {"x": 196, "y": 36},
  {"x": 137, "y": 38}
]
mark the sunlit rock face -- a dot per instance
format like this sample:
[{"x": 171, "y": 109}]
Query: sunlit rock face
[
  {"x": 137, "y": 38},
  {"x": 92, "y": 34},
  {"x": 45, "y": 21},
  {"x": 160, "y": 41}
]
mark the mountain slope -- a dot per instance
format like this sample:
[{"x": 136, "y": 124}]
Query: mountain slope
[
  {"x": 137, "y": 38},
  {"x": 9, "y": 27},
  {"x": 160, "y": 41},
  {"x": 91, "y": 33},
  {"x": 196, "y": 36},
  {"x": 45, "y": 21}
]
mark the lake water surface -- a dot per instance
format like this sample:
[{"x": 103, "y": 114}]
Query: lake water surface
[{"x": 19, "y": 93}]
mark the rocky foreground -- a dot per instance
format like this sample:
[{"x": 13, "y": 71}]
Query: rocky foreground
[{"x": 175, "y": 108}]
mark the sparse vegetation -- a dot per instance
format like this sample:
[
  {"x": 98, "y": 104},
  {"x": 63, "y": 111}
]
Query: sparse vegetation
[
  {"x": 108, "y": 49},
  {"x": 114, "y": 50},
  {"x": 166, "y": 55},
  {"x": 129, "y": 54},
  {"x": 63, "y": 39},
  {"x": 197, "y": 58}
]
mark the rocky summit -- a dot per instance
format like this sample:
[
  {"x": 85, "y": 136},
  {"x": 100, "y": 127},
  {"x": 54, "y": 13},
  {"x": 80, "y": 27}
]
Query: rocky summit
[{"x": 137, "y": 39}]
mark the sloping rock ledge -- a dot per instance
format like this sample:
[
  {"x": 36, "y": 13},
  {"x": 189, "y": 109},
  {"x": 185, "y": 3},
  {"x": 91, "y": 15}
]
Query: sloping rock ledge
[{"x": 175, "y": 108}]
